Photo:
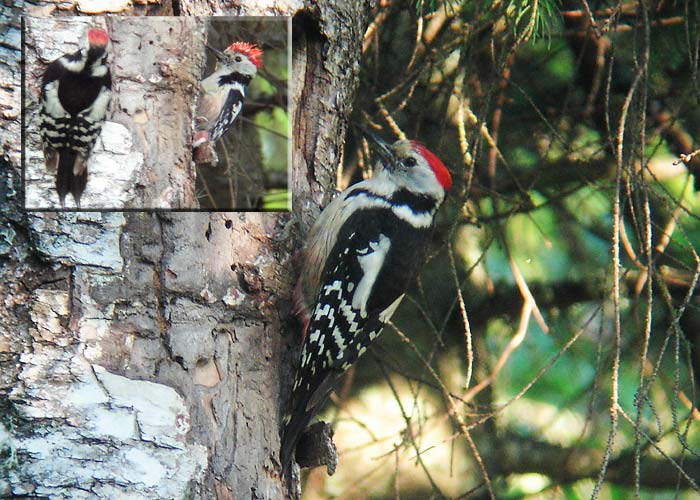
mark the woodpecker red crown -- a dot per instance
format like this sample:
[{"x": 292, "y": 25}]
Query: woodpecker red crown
[
  {"x": 97, "y": 37},
  {"x": 441, "y": 173},
  {"x": 250, "y": 50}
]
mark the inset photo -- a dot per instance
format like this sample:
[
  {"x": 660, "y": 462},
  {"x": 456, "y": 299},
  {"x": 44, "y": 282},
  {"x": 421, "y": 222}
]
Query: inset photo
[
  {"x": 242, "y": 144},
  {"x": 157, "y": 113}
]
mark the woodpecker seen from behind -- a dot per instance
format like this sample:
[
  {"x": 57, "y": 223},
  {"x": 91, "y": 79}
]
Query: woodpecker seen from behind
[
  {"x": 223, "y": 92},
  {"x": 360, "y": 258},
  {"x": 75, "y": 95}
]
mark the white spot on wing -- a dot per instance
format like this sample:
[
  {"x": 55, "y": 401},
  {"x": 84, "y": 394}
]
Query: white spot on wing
[
  {"x": 349, "y": 314},
  {"x": 371, "y": 265},
  {"x": 334, "y": 287},
  {"x": 339, "y": 341},
  {"x": 322, "y": 311}
]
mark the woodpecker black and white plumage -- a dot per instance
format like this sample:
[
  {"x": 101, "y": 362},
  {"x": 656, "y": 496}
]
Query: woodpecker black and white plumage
[
  {"x": 75, "y": 95},
  {"x": 223, "y": 92},
  {"x": 360, "y": 258}
]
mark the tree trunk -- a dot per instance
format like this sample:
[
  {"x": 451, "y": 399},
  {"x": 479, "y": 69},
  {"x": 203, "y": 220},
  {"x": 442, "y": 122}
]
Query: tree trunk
[{"x": 149, "y": 355}]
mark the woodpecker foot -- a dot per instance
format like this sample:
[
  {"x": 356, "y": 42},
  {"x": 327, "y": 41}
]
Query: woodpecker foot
[
  {"x": 203, "y": 150},
  {"x": 316, "y": 448}
]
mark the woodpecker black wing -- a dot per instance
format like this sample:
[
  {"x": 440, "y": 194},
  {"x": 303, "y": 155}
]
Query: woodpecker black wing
[
  {"x": 228, "y": 114},
  {"x": 365, "y": 277},
  {"x": 52, "y": 114}
]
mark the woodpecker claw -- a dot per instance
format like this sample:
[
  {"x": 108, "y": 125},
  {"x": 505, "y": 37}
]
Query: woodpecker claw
[
  {"x": 200, "y": 138},
  {"x": 203, "y": 149}
]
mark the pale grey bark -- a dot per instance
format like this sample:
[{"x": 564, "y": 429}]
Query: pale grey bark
[
  {"x": 242, "y": 7},
  {"x": 157, "y": 63},
  {"x": 44, "y": 8},
  {"x": 149, "y": 355}
]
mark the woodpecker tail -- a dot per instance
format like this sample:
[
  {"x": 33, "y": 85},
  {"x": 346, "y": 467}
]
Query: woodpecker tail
[
  {"x": 306, "y": 403},
  {"x": 294, "y": 425},
  {"x": 302, "y": 408},
  {"x": 67, "y": 180}
]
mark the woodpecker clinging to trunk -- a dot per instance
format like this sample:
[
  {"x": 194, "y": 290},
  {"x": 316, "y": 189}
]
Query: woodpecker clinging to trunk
[
  {"x": 360, "y": 257},
  {"x": 223, "y": 91},
  {"x": 75, "y": 95}
]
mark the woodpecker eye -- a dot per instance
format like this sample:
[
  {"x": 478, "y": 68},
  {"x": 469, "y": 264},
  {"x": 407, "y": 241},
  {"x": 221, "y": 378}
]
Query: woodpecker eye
[
  {"x": 239, "y": 58},
  {"x": 410, "y": 161}
]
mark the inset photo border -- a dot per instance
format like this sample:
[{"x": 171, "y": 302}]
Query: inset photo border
[{"x": 157, "y": 113}]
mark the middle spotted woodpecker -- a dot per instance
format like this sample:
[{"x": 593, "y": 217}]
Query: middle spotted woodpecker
[
  {"x": 224, "y": 90},
  {"x": 75, "y": 95},
  {"x": 360, "y": 258}
]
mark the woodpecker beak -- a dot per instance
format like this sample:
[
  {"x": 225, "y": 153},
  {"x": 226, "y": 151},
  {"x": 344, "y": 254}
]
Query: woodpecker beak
[
  {"x": 219, "y": 55},
  {"x": 381, "y": 147}
]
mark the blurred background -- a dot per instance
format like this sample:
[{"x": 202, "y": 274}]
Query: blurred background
[
  {"x": 549, "y": 349},
  {"x": 252, "y": 172}
]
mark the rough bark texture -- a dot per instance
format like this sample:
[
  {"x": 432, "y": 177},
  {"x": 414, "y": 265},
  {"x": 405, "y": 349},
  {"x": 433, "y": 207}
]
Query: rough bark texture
[
  {"x": 154, "y": 98},
  {"x": 141, "y": 159},
  {"x": 44, "y": 8},
  {"x": 242, "y": 7},
  {"x": 148, "y": 355}
]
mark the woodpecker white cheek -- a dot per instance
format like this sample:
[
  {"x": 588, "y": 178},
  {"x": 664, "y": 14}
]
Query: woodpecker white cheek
[{"x": 75, "y": 65}]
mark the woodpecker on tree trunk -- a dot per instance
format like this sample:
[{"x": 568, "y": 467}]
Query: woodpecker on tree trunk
[
  {"x": 75, "y": 95},
  {"x": 223, "y": 92},
  {"x": 360, "y": 258}
]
